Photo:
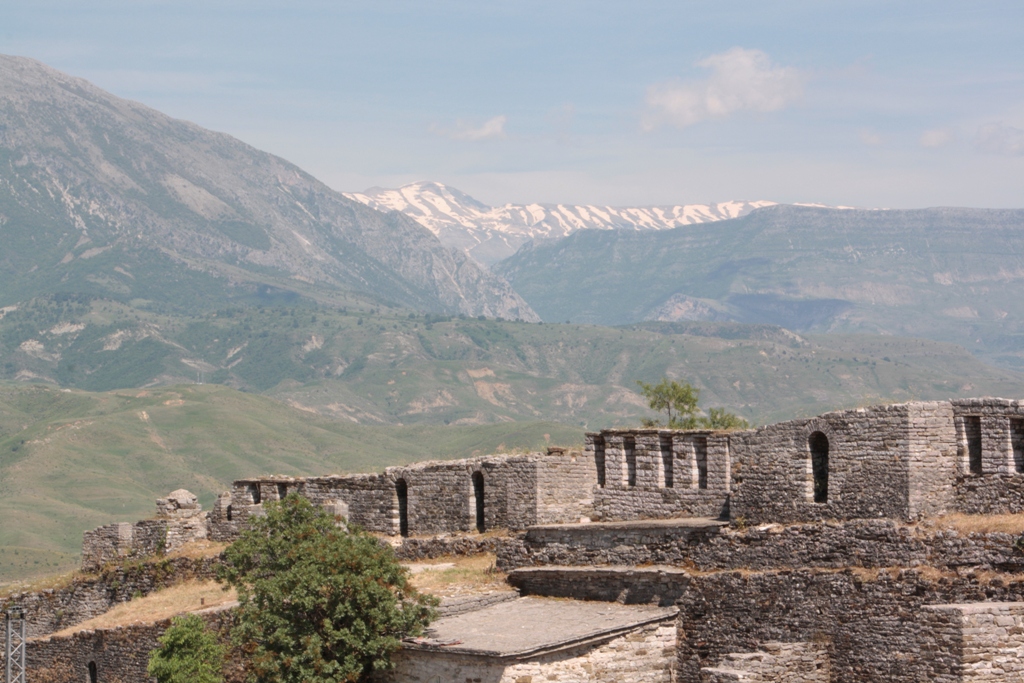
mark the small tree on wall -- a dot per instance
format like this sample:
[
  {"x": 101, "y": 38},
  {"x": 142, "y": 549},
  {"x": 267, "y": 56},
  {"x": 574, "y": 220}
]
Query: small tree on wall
[
  {"x": 318, "y": 602},
  {"x": 681, "y": 398},
  {"x": 672, "y": 396},
  {"x": 188, "y": 653}
]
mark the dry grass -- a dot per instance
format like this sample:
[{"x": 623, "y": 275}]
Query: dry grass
[
  {"x": 198, "y": 550},
  {"x": 459, "y": 576},
  {"x": 395, "y": 541},
  {"x": 52, "y": 582},
  {"x": 185, "y": 597},
  {"x": 1009, "y": 524}
]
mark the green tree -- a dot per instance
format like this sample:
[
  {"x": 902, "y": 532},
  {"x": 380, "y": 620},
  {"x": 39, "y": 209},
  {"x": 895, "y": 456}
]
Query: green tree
[
  {"x": 318, "y": 602},
  {"x": 682, "y": 398},
  {"x": 669, "y": 396},
  {"x": 188, "y": 653},
  {"x": 720, "y": 418}
]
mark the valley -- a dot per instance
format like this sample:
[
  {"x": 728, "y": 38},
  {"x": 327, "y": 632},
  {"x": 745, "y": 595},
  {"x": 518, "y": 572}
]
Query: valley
[{"x": 178, "y": 309}]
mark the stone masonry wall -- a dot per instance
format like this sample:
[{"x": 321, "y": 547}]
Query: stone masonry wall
[
  {"x": 781, "y": 662},
  {"x": 857, "y": 543},
  {"x": 644, "y": 656},
  {"x": 932, "y": 458},
  {"x": 1001, "y": 449},
  {"x": 979, "y": 642},
  {"x": 874, "y": 626},
  {"x": 86, "y": 597},
  {"x": 518, "y": 491},
  {"x": 119, "y": 655},
  {"x": 990, "y": 494},
  {"x": 565, "y": 487},
  {"x": 875, "y": 630},
  {"x": 652, "y": 473},
  {"x": 868, "y": 468},
  {"x": 117, "y": 542},
  {"x": 661, "y": 586},
  {"x": 995, "y": 485},
  {"x": 180, "y": 520}
]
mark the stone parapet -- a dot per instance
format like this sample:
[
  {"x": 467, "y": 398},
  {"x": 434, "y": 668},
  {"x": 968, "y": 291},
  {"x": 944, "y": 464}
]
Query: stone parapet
[
  {"x": 89, "y": 596},
  {"x": 713, "y": 546},
  {"x": 875, "y": 628}
]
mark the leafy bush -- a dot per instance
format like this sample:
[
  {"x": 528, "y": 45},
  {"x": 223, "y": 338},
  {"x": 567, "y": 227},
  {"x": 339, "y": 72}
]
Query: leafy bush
[
  {"x": 188, "y": 653},
  {"x": 318, "y": 602}
]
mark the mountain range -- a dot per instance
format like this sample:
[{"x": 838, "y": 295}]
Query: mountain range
[
  {"x": 105, "y": 196},
  {"x": 490, "y": 234},
  {"x": 179, "y": 308},
  {"x": 948, "y": 274}
]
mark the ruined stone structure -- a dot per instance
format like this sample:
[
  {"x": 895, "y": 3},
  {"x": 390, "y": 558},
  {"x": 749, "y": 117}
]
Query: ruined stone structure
[
  {"x": 179, "y": 520},
  {"x": 493, "y": 492},
  {"x": 809, "y": 550}
]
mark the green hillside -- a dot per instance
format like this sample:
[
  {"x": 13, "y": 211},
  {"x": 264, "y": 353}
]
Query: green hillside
[
  {"x": 71, "y": 460},
  {"x": 390, "y": 366}
]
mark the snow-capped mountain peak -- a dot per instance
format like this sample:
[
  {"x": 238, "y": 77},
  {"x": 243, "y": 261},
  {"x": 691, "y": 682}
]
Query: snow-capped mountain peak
[{"x": 490, "y": 234}]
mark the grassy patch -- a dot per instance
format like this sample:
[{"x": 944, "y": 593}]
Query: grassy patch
[
  {"x": 983, "y": 524},
  {"x": 454, "y": 576},
  {"x": 185, "y": 597},
  {"x": 198, "y": 550}
]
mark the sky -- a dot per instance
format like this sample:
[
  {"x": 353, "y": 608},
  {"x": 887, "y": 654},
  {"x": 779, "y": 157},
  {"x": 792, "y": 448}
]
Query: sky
[{"x": 870, "y": 104}]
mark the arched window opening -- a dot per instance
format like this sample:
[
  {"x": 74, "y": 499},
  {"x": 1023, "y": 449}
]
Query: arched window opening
[
  {"x": 92, "y": 672},
  {"x": 667, "y": 461},
  {"x": 478, "y": 495},
  {"x": 972, "y": 430},
  {"x": 700, "y": 456},
  {"x": 599, "y": 459},
  {"x": 629, "y": 450},
  {"x": 282, "y": 491},
  {"x": 254, "y": 493},
  {"x": 818, "y": 444},
  {"x": 402, "y": 490},
  {"x": 1017, "y": 443},
  {"x": 230, "y": 511}
]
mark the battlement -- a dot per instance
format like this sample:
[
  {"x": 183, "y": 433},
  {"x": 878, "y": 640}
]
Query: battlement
[
  {"x": 899, "y": 462},
  {"x": 796, "y": 551},
  {"x": 179, "y": 520}
]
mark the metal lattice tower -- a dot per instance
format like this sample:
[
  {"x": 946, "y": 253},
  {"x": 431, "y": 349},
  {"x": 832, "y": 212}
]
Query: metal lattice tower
[{"x": 14, "y": 661}]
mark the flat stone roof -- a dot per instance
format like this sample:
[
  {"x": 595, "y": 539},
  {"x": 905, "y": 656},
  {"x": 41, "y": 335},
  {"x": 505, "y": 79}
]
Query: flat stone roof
[{"x": 533, "y": 626}]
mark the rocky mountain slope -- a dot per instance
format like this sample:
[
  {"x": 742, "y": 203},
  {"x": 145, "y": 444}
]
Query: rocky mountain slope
[
  {"x": 492, "y": 233},
  {"x": 945, "y": 274},
  {"x": 106, "y": 196}
]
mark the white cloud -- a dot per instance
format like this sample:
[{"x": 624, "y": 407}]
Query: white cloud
[
  {"x": 998, "y": 138},
  {"x": 937, "y": 137},
  {"x": 740, "y": 80},
  {"x": 490, "y": 129},
  {"x": 870, "y": 137}
]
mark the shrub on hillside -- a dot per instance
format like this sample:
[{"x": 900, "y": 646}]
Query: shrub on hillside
[
  {"x": 188, "y": 653},
  {"x": 317, "y": 601}
]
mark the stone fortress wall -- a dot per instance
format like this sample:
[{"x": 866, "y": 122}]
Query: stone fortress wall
[
  {"x": 899, "y": 462},
  {"x": 804, "y": 550}
]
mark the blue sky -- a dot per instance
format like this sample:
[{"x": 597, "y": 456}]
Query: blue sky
[{"x": 898, "y": 104}]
